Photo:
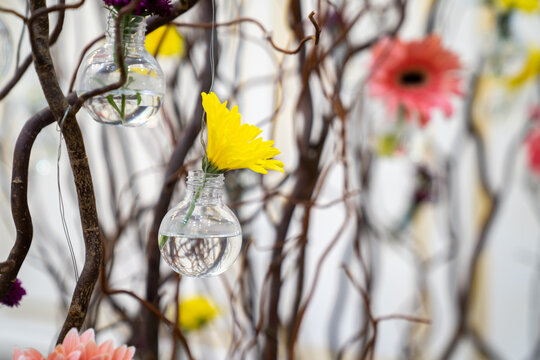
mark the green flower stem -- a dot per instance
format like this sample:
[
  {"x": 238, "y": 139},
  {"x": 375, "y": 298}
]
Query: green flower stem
[
  {"x": 401, "y": 115},
  {"x": 120, "y": 111},
  {"x": 208, "y": 168},
  {"x": 194, "y": 200},
  {"x": 400, "y": 128},
  {"x": 163, "y": 238},
  {"x": 126, "y": 28},
  {"x": 162, "y": 241}
]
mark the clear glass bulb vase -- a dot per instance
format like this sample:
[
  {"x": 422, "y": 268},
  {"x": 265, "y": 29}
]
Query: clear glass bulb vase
[
  {"x": 200, "y": 236},
  {"x": 5, "y": 49},
  {"x": 141, "y": 96}
]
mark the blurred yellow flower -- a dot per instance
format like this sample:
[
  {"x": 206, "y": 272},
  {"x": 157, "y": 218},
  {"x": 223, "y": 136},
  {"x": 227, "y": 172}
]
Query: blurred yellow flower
[
  {"x": 168, "y": 39},
  {"x": 388, "y": 144},
  {"x": 232, "y": 145},
  {"x": 529, "y": 71},
  {"x": 524, "y": 5},
  {"x": 196, "y": 312}
]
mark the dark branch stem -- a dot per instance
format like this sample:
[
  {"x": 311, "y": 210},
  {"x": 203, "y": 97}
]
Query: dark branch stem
[
  {"x": 39, "y": 39},
  {"x": 19, "y": 202},
  {"x": 190, "y": 134}
]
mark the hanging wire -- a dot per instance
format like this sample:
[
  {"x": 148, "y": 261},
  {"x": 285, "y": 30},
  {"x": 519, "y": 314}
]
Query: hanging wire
[
  {"x": 61, "y": 199},
  {"x": 212, "y": 76},
  {"x": 212, "y": 46},
  {"x": 21, "y": 36}
]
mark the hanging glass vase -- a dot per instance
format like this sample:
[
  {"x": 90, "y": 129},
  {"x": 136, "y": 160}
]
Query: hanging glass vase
[
  {"x": 390, "y": 135},
  {"x": 200, "y": 236},
  {"x": 5, "y": 49},
  {"x": 141, "y": 96}
]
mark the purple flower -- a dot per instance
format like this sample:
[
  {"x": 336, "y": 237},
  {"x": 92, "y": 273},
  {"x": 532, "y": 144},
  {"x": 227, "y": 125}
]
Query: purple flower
[
  {"x": 158, "y": 7},
  {"x": 116, "y": 3},
  {"x": 14, "y": 294},
  {"x": 425, "y": 187},
  {"x": 144, "y": 7}
]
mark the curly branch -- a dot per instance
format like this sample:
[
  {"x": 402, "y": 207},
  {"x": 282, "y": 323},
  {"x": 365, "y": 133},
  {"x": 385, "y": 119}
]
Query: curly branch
[
  {"x": 267, "y": 35},
  {"x": 19, "y": 199},
  {"x": 39, "y": 39}
]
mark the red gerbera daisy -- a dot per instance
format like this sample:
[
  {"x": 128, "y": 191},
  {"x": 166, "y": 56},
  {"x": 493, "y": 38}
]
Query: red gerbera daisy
[{"x": 418, "y": 75}]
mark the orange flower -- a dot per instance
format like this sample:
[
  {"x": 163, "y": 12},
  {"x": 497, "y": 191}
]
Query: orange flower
[{"x": 417, "y": 75}]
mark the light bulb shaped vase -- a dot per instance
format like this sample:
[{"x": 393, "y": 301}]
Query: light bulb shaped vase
[
  {"x": 200, "y": 236},
  {"x": 141, "y": 96}
]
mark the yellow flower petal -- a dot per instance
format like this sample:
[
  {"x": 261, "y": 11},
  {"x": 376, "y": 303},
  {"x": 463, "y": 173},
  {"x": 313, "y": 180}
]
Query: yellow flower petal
[
  {"x": 168, "y": 39},
  {"x": 524, "y": 5},
  {"x": 529, "y": 71},
  {"x": 148, "y": 72},
  {"x": 196, "y": 312},
  {"x": 232, "y": 145}
]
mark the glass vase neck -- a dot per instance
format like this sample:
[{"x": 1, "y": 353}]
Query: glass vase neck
[
  {"x": 205, "y": 187},
  {"x": 132, "y": 30}
]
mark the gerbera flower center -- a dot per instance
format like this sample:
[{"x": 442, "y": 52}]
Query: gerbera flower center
[
  {"x": 413, "y": 78},
  {"x": 420, "y": 75}
]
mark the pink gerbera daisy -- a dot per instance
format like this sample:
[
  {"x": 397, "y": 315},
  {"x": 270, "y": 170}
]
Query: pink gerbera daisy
[
  {"x": 417, "y": 75},
  {"x": 533, "y": 150},
  {"x": 75, "y": 347}
]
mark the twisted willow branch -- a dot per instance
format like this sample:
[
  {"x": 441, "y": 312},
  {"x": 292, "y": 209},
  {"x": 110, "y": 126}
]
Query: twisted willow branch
[
  {"x": 40, "y": 42},
  {"x": 39, "y": 39},
  {"x": 19, "y": 198}
]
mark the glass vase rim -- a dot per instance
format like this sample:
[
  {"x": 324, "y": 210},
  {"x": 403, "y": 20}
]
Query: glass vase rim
[
  {"x": 114, "y": 15},
  {"x": 200, "y": 179},
  {"x": 138, "y": 22},
  {"x": 132, "y": 31},
  {"x": 201, "y": 173}
]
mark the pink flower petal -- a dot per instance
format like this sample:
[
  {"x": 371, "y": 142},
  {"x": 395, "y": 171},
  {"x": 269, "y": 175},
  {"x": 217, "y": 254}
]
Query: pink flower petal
[
  {"x": 88, "y": 336},
  {"x": 90, "y": 350},
  {"x": 74, "y": 355},
  {"x": 17, "y": 353},
  {"x": 119, "y": 353},
  {"x": 28, "y": 354},
  {"x": 71, "y": 341},
  {"x": 106, "y": 348},
  {"x": 129, "y": 353},
  {"x": 393, "y": 62},
  {"x": 533, "y": 150},
  {"x": 101, "y": 357},
  {"x": 55, "y": 355},
  {"x": 33, "y": 354}
]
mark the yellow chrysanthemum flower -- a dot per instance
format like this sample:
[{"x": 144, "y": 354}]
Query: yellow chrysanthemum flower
[
  {"x": 524, "y": 5},
  {"x": 232, "y": 145},
  {"x": 196, "y": 312},
  {"x": 529, "y": 71},
  {"x": 168, "y": 39}
]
